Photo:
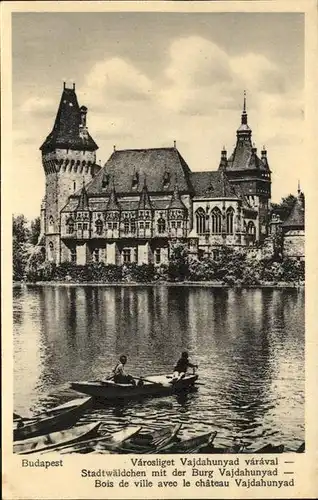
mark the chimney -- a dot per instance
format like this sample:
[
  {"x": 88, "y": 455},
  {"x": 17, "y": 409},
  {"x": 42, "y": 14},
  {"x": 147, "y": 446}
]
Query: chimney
[
  {"x": 83, "y": 111},
  {"x": 73, "y": 86},
  {"x": 174, "y": 144},
  {"x": 114, "y": 147}
]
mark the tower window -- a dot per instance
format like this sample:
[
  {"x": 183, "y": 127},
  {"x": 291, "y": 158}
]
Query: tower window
[
  {"x": 179, "y": 224},
  {"x": 99, "y": 226},
  {"x": 74, "y": 186},
  {"x": 133, "y": 226},
  {"x": 85, "y": 226},
  {"x": 141, "y": 225},
  {"x": 126, "y": 255},
  {"x": 147, "y": 225}
]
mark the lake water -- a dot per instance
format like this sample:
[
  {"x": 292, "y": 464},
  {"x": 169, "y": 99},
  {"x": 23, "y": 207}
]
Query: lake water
[{"x": 249, "y": 345}]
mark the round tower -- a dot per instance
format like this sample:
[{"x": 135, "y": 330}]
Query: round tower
[{"x": 68, "y": 158}]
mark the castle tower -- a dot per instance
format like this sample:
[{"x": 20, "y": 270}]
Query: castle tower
[
  {"x": 251, "y": 173},
  {"x": 68, "y": 159}
]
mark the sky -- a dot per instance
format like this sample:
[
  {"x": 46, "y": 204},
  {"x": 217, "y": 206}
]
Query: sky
[{"x": 151, "y": 78}]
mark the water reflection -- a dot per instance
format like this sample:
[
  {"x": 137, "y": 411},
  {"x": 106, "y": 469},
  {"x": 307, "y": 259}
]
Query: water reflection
[{"x": 249, "y": 345}]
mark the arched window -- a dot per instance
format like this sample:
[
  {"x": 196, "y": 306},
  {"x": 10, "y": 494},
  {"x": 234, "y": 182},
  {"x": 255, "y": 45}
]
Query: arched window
[
  {"x": 251, "y": 229},
  {"x": 51, "y": 251},
  {"x": 99, "y": 226},
  {"x": 161, "y": 225},
  {"x": 216, "y": 217},
  {"x": 229, "y": 220},
  {"x": 51, "y": 224},
  {"x": 200, "y": 220}
]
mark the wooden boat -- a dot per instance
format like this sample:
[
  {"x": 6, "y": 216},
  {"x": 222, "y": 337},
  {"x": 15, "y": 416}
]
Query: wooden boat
[
  {"x": 157, "y": 385},
  {"x": 270, "y": 448},
  {"x": 46, "y": 423},
  {"x": 106, "y": 442},
  {"x": 193, "y": 445},
  {"x": 301, "y": 448},
  {"x": 50, "y": 441},
  {"x": 151, "y": 442}
]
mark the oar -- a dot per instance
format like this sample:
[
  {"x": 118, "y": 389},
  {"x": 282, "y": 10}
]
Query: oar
[
  {"x": 79, "y": 444},
  {"x": 147, "y": 380}
]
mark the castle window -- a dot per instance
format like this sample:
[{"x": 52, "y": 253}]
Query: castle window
[
  {"x": 51, "y": 251},
  {"x": 74, "y": 186},
  {"x": 115, "y": 226},
  {"x": 141, "y": 225},
  {"x": 105, "y": 181},
  {"x": 251, "y": 229},
  {"x": 147, "y": 214},
  {"x": 158, "y": 255},
  {"x": 70, "y": 225},
  {"x": 96, "y": 254},
  {"x": 201, "y": 221},
  {"x": 141, "y": 214},
  {"x": 147, "y": 225},
  {"x": 161, "y": 225},
  {"x": 126, "y": 226},
  {"x": 79, "y": 225},
  {"x": 216, "y": 217},
  {"x": 229, "y": 220},
  {"x": 136, "y": 254},
  {"x": 179, "y": 224},
  {"x": 51, "y": 224},
  {"x": 126, "y": 255},
  {"x": 73, "y": 255},
  {"x": 109, "y": 225},
  {"x": 85, "y": 226},
  {"x": 173, "y": 224},
  {"x": 133, "y": 226},
  {"x": 99, "y": 226},
  {"x": 166, "y": 179}
]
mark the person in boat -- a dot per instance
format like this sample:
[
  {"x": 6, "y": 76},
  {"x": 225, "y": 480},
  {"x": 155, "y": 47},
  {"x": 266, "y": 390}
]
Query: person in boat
[
  {"x": 120, "y": 377},
  {"x": 181, "y": 367}
]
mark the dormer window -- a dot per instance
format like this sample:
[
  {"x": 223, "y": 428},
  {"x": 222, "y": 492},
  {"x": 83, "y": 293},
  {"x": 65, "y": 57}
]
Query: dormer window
[
  {"x": 135, "y": 181},
  {"x": 166, "y": 179},
  {"x": 105, "y": 181}
]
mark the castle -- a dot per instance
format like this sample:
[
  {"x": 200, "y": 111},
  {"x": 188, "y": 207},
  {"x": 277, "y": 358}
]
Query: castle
[{"x": 143, "y": 199}]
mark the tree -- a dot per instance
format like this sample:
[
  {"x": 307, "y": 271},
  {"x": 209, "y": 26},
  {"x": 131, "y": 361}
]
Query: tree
[
  {"x": 35, "y": 230},
  {"x": 20, "y": 235},
  {"x": 283, "y": 208},
  {"x": 178, "y": 261}
]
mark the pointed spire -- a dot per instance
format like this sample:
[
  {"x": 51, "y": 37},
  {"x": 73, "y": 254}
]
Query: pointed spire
[
  {"x": 244, "y": 113},
  {"x": 112, "y": 203},
  {"x": 176, "y": 201},
  {"x": 67, "y": 132},
  {"x": 144, "y": 201},
  {"x": 298, "y": 188},
  {"x": 83, "y": 204},
  {"x": 244, "y": 132}
]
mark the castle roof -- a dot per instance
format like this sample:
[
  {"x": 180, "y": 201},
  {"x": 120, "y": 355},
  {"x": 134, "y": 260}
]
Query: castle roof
[
  {"x": 296, "y": 218},
  {"x": 212, "y": 184},
  {"x": 154, "y": 163},
  {"x": 66, "y": 130}
]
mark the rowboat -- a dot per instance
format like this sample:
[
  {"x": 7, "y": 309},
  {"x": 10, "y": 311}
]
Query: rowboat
[
  {"x": 193, "y": 445},
  {"x": 270, "y": 448},
  {"x": 157, "y": 385},
  {"x": 50, "y": 441},
  {"x": 54, "y": 421},
  {"x": 151, "y": 442},
  {"x": 301, "y": 448},
  {"x": 106, "y": 442}
]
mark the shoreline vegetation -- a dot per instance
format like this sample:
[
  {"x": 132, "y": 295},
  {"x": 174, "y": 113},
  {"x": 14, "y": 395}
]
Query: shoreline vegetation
[{"x": 232, "y": 268}]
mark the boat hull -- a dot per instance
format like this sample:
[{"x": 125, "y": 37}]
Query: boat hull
[
  {"x": 52, "y": 440},
  {"x": 52, "y": 423},
  {"x": 155, "y": 386}
]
